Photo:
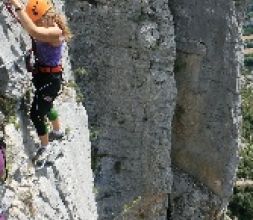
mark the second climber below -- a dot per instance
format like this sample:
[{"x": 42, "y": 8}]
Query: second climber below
[{"x": 49, "y": 31}]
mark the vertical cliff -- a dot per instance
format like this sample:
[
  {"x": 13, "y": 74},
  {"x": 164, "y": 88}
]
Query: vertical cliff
[
  {"x": 160, "y": 82},
  {"x": 205, "y": 127},
  {"x": 127, "y": 52}
]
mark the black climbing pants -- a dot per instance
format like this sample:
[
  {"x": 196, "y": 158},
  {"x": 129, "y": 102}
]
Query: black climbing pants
[{"x": 47, "y": 87}]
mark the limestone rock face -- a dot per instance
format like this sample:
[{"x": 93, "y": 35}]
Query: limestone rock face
[
  {"x": 62, "y": 190},
  {"x": 207, "y": 116},
  {"x": 14, "y": 43},
  {"x": 127, "y": 49},
  {"x": 160, "y": 82}
]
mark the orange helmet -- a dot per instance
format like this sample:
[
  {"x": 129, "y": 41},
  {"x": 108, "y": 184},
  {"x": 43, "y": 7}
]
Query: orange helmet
[{"x": 37, "y": 8}]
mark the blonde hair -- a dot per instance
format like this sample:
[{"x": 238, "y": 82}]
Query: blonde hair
[{"x": 61, "y": 21}]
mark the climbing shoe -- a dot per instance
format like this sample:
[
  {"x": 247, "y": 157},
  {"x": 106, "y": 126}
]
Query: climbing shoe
[
  {"x": 41, "y": 156},
  {"x": 55, "y": 135}
]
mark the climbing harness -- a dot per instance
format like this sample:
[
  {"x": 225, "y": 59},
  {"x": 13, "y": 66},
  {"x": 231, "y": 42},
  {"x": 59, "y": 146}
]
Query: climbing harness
[{"x": 49, "y": 69}]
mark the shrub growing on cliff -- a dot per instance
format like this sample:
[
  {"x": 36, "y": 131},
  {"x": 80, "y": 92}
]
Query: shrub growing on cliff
[
  {"x": 248, "y": 30},
  {"x": 241, "y": 204},
  {"x": 248, "y": 61},
  {"x": 247, "y": 114},
  {"x": 249, "y": 44}
]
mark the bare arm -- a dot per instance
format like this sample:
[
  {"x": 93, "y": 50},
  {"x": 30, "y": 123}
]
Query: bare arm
[{"x": 50, "y": 34}]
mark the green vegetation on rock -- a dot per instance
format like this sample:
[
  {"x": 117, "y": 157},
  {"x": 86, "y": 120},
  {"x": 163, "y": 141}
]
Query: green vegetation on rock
[{"x": 241, "y": 204}]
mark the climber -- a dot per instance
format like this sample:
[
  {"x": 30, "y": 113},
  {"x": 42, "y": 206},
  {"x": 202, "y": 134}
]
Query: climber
[{"x": 49, "y": 31}]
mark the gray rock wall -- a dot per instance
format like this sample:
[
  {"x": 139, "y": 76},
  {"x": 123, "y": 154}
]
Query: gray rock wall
[
  {"x": 64, "y": 188},
  {"x": 14, "y": 43},
  {"x": 127, "y": 49},
  {"x": 205, "y": 135},
  {"x": 156, "y": 98},
  {"x": 117, "y": 43}
]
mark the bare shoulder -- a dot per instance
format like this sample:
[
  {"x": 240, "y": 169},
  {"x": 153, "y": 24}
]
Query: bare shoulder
[
  {"x": 50, "y": 35},
  {"x": 55, "y": 31}
]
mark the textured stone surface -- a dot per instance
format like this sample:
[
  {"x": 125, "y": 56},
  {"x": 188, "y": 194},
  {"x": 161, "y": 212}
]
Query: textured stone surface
[
  {"x": 127, "y": 49},
  {"x": 13, "y": 45},
  {"x": 206, "y": 123},
  {"x": 64, "y": 189},
  {"x": 205, "y": 127},
  {"x": 193, "y": 200},
  {"x": 123, "y": 56}
]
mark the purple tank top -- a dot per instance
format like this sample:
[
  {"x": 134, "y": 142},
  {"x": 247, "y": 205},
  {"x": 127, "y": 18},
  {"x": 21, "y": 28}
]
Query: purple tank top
[{"x": 48, "y": 55}]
